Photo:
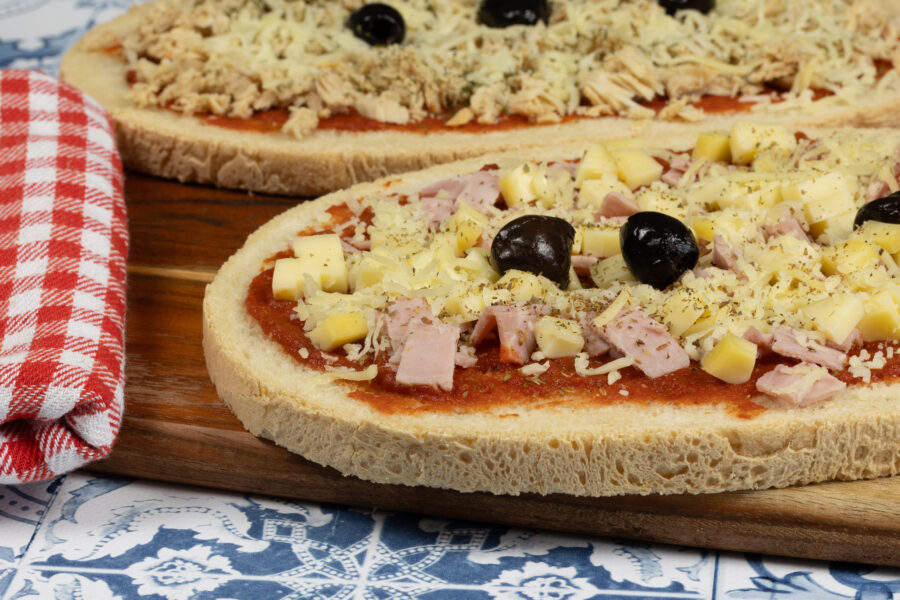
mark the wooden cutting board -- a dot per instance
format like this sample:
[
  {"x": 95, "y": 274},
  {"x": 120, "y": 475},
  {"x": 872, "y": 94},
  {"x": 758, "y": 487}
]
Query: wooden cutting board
[{"x": 176, "y": 429}]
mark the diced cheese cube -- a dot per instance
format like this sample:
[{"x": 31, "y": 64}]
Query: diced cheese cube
[
  {"x": 479, "y": 265},
  {"x": 735, "y": 225},
  {"x": 610, "y": 270},
  {"x": 515, "y": 185},
  {"x": 523, "y": 286},
  {"x": 554, "y": 188},
  {"x": 731, "y": 360},
  {"x": 558, "y": 337},
  {"x": 662, "y": 201},
  {"x": 823, "y": 196},
  {"x": 322, "y": 257},
  {"x": 749, "y": 138},
  {"x": 467, "y": 306},
  {"x": 836, "y": 317},
  {"x": 683, "y": 308},
  {"x": 339, "y": 329},
  {"x": 287, "y": 278},
  {"x": 368, "y": 271},
  {"x": 883, "y": 235},
  {"x": 599, "y": 241},
  {"x": 596, "y": 163},
  {"x": 593, "y": 191},
  {"x": 881, "y": 320},
  {"x": 835, "y": 229},
  {"x": 636, "y": 167},
  {"x": 849, "y": 257},
  {"x": 713, "y": 146}
]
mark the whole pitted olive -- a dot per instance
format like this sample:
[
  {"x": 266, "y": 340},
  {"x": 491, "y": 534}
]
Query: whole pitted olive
[
  {"x": 537, "y": 244},
  {"x": 377, "y": 24},
  {"x": 886, "y": 210},
  {"x": 657, "y": 248},
  {"x": 672, "y": 6},
  {"x": 503, "y": 13}
]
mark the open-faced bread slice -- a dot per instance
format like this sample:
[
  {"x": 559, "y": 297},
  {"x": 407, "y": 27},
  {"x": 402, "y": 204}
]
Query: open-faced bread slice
[
  {"x": 551, "y": 425},
  {"x": 597, "y": 90}
]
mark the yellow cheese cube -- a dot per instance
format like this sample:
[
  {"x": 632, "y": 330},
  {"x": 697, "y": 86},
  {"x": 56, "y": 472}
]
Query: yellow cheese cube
[
  {"x": 523, "y": 286},
  {"x": 554, "y": 188},
  {"x": 881, "y": 320},
  {"x": 287, "y": 278},
  {"x": 636, "y": 167},
  {"x": 610, "y": 270},
  {"x": 596, "y": 163},
  {"x": 713, "y": 146},
  {"x": 836, "y": 228},
  {"x": 731, "y": 360},
  {"x": 368, "y": 271},
  {"x": 749, "y": 138},
  {"x": 339, "y": 329},
  {"x": 558, "y": 337},
  {"x": 478, "y": 264},
  {"x": 883, "y": 235},
  {"x": 849, "y": 257},
  {"x": 593, "y": 191},
  {"x": 664, "y": 202},
  {"x": 836, "y": 317},
  {"x": 467, "y": 306},
  {"x": 823, "y": 196},
  {"x": 683, "y": 308},
  {"x": 599, "y": 241},
  {"x": 467, "y": 235},
  {"x": 322, "y": 257},
  {"x": 515, "y": 185}
]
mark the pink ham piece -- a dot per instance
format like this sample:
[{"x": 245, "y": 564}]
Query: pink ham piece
[
  {"x": 465, "y": 360},
  {"x": 786, "y": 344},
  {"x": 515, "y": 328},
  {"x": 616, "y": 205},
  {"x": 725, "y": 257},
  {"x": 399, "y": 316},
  {"x": 762, "y": 340},
  {"x": 787, "y": 226},
  {"x": 429, "y": 355},
  {"x": 676, "y": 170},
  {"x": 451, "y": 188},
  {"x": 435, "y": 210},
  {"x": 582, "y": 263},
  {"x": 647, "y": 342},
  {"x": 791, "y": 387},
  {"x": 876, "y": 190},
  {"x": 594, "y": 344},
  {"x": 481, "y": 191}
]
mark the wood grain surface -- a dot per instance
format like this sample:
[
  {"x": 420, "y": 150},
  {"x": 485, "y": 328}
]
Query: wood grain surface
[{"x": 176, "y": 429}]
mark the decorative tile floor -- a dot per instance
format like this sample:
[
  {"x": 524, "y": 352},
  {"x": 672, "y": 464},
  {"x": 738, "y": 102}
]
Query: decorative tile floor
[
  {"x": 82, "y": 537},
  {"x": 98, "y": 538}
]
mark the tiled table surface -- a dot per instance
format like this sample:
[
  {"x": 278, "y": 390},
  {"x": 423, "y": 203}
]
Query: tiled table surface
[{"x": 86, "y": 537}]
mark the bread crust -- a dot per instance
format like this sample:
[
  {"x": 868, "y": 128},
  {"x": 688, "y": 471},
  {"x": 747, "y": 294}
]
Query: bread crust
[
  {"x": 167, "y": 144},
  {"x": 596, "y": 451}
]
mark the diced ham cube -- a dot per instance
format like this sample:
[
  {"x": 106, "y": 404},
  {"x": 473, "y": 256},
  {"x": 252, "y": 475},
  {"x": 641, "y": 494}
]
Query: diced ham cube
[
  {"x": 515, "y": 328},
  {"x": 481, "y": 191},
  {"x": 725, "y": 257},
  {"x": 676, "y": 170},
  {"x": 435, "y": 210},
  {"x": 450, "y": 187},
  {"x": 787, "y": 226},
  {"x": 798, "y": 386},
  {"x": 786, "y": 343},
  {"x": 582, "y": 263},
  {"x": 762, "y": 340},
  {"x": 616, "y": 204},
  {"x": 398, "y": 318},
  {"x": 594, "y": 344},
  {"x": 646, "y": 341},
  {"x": 429, "y": 355},
  {"x": 876, "y": 190}
]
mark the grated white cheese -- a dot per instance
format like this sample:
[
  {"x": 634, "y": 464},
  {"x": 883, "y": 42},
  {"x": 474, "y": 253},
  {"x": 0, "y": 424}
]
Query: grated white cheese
[{"x": 535, "y": 368}]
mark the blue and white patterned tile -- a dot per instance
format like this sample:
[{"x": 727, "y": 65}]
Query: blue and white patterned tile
[
  {"x": 34, "y": 34},
  {"x": 21, "y": 510},
  {"x": 751, "y": 577}
]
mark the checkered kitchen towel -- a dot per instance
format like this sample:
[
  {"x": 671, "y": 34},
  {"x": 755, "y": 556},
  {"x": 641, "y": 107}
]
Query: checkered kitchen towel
[{"x": 63, "y": 241}]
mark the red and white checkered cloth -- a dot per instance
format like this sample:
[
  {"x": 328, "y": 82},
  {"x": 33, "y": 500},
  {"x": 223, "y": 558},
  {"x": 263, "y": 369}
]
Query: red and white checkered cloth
[{"x": 63, "y": 243}]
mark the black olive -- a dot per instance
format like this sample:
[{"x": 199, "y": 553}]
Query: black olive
[
  {"x": 886, "y": 210},
  {"x": 537, "y": 244},
  {"x": 503, "y": 13},
  {"x": 377, "y": 24},
  {"x": 672, "y": 6},
  {"x": 657, "y": 248}
]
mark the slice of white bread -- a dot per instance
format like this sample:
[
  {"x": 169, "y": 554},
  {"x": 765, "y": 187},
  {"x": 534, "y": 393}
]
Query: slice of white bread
[
  {"x": 168, "y": 144},
  {"x": 627, "y": 448}
]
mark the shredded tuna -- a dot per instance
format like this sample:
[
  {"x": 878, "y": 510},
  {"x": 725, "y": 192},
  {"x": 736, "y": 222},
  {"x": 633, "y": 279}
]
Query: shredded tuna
[
  {"x": 803, "y": 385},
  {"x": 646, "y": 341},
  {"x": 786, "y": 343}
]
